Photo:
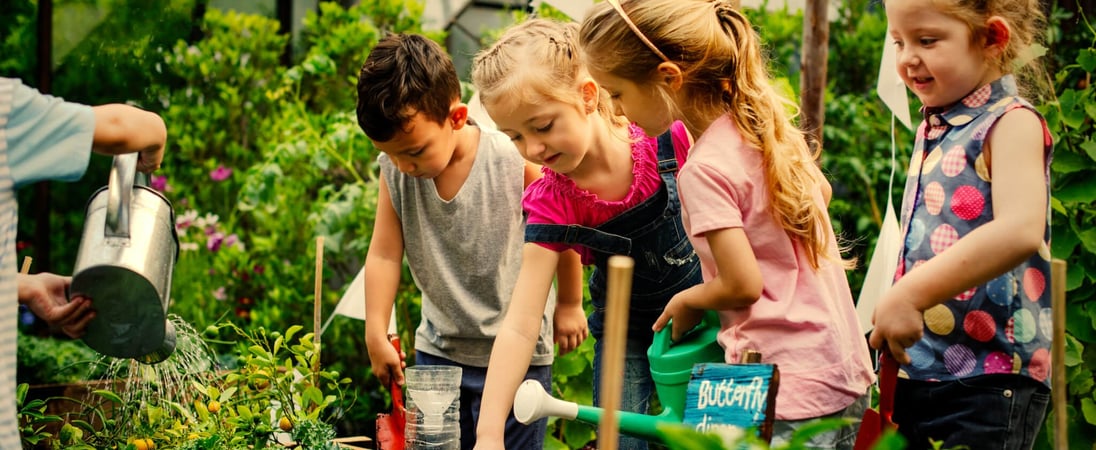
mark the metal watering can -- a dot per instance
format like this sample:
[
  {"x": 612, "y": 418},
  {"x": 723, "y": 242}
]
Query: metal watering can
[
  {"x": 671, "y": 367},
  {"x": 124, "y": 264}
]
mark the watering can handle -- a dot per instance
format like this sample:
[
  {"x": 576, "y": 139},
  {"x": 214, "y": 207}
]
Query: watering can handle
[
  {"x": 663, "y": 341},
  {"x": 119, "y": 193}
]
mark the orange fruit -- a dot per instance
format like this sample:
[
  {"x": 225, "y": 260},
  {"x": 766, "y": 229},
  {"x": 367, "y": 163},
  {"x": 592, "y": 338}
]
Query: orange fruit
[
  {"x": 214, "y": 406},
  {"x": 285, "y": 424}
]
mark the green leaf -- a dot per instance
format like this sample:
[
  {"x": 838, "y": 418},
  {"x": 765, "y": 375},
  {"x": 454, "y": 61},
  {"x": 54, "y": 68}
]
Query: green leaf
[
  {"x": 108, "y": 395},
  {"x": 1088, "y": 408},
  {"x": 577, "y": 434},
  {"x": 1079, "y": 323},
  {"x": 1079, "y": 380},
  {"x": 1069, "y": 162},
  {"x": 1074, "y": 350},
  {"x": 1075, "y": 276},
  {"x": 1087, "y": 59},
  {"x": 551, "y": 443},
  {"x": 1089, "y": 146},
  {"x": 1077, "y": 190},
  {"x": 1063, "y": 242},
  {"x": 1088, "y": 239}
]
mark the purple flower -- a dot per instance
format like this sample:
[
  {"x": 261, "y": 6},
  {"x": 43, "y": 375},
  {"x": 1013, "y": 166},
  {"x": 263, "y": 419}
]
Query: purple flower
[
  {"x": 159, "y": 183},
  {"x": 231, "y": 240},
  {"x": 213, "y": 243},
  {"x": 26, "y": 317},
  {"x": 221, "y": 173}
]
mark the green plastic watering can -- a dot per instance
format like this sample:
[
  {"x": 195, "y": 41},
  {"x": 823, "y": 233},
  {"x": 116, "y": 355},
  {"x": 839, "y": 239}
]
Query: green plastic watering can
[{"x": 671, "y": 366}]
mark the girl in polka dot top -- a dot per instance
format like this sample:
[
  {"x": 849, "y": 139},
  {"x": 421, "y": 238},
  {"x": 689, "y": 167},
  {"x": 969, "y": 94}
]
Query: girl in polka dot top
[{"x": 968, "y": 316}]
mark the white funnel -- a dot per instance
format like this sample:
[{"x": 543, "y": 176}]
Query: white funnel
[{"x": 532, "y": 403}]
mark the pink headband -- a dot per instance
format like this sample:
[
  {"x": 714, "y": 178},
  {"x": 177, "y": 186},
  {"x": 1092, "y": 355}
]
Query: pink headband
[{"x": 635, "y": 29}]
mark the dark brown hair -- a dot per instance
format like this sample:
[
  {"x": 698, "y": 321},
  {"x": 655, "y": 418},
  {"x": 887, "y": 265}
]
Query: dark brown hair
[{"x": 405, "y": 74}]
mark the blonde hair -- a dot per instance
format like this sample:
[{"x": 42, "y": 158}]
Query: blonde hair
[
  {"x": 723, "y": 72},
  {"x": 533, "y": 61},
  {"x": 1026, "y": 22}
]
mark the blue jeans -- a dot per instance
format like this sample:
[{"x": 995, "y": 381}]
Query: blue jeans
[
  {"x": 636, "y": 388},
  {"x": 518, "y": 436},
  {"x": 843, "y": 438},
  {"x": 983, "y": 412}
]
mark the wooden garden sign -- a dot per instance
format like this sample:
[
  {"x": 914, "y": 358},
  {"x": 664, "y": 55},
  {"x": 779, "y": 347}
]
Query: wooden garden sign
[{"x": 732, "y": 395}]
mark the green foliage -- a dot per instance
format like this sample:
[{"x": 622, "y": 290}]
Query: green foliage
[
  {"x": 1072, "y": 121},
  {"x": 275, "y": 376},
  {"x": 679, "y": 437},
  {"x": 33, "y": 418},
  {"x": 44, "y": 360}
]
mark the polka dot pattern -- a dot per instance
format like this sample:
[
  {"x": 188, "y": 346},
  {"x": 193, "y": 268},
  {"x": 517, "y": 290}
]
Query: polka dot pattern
[
  {"x": 959, "y": 360},
  {"x": 1039, "y": 366},
  {"x": 943, "y": 237},
  {"x": 954, "y": 161},
  {"x": 1024, "y": 327},
  {"x": 1003, "y": 325},
  {"x": 997, "y": 362},
  {"x": 1002, "y": 290},
  {"x": 978, "y": 97},
  {"x": 932, "y": 160},
  {"x": 939, "y": 320},
  {"x": 967, "y": 294},
  {"x": 1046, "y": 322},
  {"x": 934, "y": 198},
  {"x": 979, "y": 326},
  {"x": 1034, "y": 284},
  {"x": 967, "y": 203}
]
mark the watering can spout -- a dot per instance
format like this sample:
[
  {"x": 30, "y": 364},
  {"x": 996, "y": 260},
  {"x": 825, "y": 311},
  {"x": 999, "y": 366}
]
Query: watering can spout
[{"x": 532, "y": 403}]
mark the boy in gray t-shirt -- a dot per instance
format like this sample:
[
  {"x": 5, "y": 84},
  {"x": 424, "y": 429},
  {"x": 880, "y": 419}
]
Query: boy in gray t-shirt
[{"x": 450, "y": 202}]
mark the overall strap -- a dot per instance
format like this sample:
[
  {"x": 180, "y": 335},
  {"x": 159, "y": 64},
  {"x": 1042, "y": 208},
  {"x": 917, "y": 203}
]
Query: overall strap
[
  {"x": 591, "y": 238},
  {"x": 667, "y": 168},
  {"x": 667, "y": 160}
]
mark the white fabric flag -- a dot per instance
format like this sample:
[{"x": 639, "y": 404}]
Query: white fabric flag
[
  {"x": 884, "y": 259},
  {"x": 352, "y": 303}
]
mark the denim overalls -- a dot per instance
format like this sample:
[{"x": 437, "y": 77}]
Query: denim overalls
[{"x": 665, "y": 264}]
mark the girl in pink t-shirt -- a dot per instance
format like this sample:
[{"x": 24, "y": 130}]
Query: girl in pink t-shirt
[
  {"x": 607, "y": 190},
  {"x": 754, "y": 201}
]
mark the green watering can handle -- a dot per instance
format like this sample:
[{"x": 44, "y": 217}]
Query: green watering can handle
[{"x": 662, "y": 341}]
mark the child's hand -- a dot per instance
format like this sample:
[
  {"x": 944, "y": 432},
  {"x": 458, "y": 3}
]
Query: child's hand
[
  {"x": 684, "y": 317},
  {"x": 149, "y": 160},
  {"x": 569, "y": 322},
  {"x": 386, "y": 362},
  {"x": 898, "y": 325},
  {"x": 44, "y": 294}
]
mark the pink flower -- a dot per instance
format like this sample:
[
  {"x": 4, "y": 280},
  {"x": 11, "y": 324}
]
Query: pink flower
[
  {"x": 219, "y": 294},
  {"x": 159, "y": 183},
  {"x": 221, "y": 173},
  {"x": 214, "y": 241}
]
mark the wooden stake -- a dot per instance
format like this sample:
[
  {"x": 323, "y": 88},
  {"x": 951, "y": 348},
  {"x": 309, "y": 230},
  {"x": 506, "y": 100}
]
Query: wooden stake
[
  {"x": 26, "y": 265},
  {"x": 1058, "y": 353},
  {"x": 618, "y": 299},
  {"x": 317, "y": 308}
]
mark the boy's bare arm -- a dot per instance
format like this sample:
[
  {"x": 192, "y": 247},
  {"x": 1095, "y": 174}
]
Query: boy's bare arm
[
  {"x": 123, "y": 128},
  {"x": 383, "y": 268}
]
